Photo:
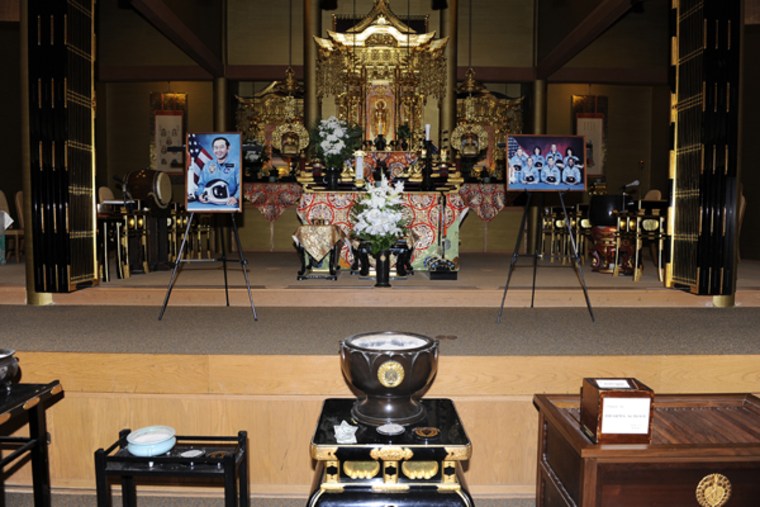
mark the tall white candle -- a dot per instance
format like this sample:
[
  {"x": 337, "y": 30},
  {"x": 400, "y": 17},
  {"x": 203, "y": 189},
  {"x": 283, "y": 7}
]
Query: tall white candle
[
  {"x": 359, "y": 165},
  {"x": 427, "y": 132}
]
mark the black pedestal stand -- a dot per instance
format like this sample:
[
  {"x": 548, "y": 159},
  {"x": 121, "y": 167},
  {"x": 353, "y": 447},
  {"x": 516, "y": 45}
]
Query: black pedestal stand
[
  {"x": 223, "y": 258},
  {"x": 516, "y": 254}
]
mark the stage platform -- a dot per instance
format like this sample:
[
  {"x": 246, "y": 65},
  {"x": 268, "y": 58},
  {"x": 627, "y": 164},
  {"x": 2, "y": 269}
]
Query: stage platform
[
  {"x": 210, "y": 370},
  {"x": 479, "y": 284}
]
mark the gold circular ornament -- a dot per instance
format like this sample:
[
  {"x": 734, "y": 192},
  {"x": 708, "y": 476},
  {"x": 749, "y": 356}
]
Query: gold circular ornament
[
  {"x": 650, "y": 224},
  {"x": 427, "y": 432},
  {"x": 713, "y": 490},
  {"x": 390, "y": 374}
]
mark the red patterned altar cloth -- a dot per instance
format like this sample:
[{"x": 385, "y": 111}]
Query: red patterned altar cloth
[
  {"x": 434, "y": 220},
  {"x": 485, "y": 199},
  {"x": 271, "y": 199}
]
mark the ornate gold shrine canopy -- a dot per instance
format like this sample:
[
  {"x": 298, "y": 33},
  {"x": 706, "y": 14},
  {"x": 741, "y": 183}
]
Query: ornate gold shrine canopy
[
  {"x": 274, "y": 116},
  {"x": 381, "y": 72}
]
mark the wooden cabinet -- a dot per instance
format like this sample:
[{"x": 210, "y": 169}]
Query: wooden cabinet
[{"x": 704, "y": 451}]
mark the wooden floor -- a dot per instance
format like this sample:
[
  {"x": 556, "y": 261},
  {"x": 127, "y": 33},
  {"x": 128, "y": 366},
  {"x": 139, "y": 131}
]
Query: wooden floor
[{"x": 480, "y": 283}]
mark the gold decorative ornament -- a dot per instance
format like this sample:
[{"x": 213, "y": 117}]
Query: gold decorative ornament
[
  {"x": 390, "y": 472},
  {"x": 446, "y": 477},
  {"x": 427, "y": 432},
  {"x": 361, "y": 469},
  {"x": 391, "y": 453},
  {"x": 290, "y": 138},
  {"x": 460, "y": 453},
  {"x": 323, "y": 453},
  {"x": 469, "y": 139},
  {"x": 332, "y": 478},
  {"x": 415, "y": 470},
  {"x": 650, "y": 224},
  {"x": 390, "y": 374},
  {"x": 390, "y": 488},
  {"x": 32, "y": 402},
  {"x": 332, "y": 487},
  {"x": 714, "y": 490}
]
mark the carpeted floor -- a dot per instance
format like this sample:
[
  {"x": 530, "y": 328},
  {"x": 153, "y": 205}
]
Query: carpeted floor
[{"x": 317, "y": 331}]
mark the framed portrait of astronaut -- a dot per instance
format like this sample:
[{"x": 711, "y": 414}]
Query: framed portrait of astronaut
[
  {"x": 546, "y": 163},
  {"x": 214, "y": 179}
]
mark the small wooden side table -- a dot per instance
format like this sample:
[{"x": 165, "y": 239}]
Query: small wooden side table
[
  {"x": 315, "y": 245},
  {"x": 30, "y": 401},
  {"x": 220, "y": 458}
]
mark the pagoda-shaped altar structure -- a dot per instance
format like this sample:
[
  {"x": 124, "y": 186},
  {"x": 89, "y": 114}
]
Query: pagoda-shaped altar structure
[{"x": 381, "y": 73}]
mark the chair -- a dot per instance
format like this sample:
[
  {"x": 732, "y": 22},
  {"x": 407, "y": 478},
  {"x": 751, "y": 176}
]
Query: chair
[
  {"x": 652, "y": 195},
  {"x": 650, "y": 230},
  {"x": 15, "y": 233},
  {"x": 555, "y": 242},
  {"x": 105, "y": 194},
  {"x": 625, "y": 235},
  {"x": 582, "y": 231}
]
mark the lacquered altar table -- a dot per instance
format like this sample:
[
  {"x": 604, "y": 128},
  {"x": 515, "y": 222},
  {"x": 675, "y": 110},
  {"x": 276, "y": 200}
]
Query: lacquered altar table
[
  {"x": 421, "y": 467},
  {"x": 434, "y": 220}
]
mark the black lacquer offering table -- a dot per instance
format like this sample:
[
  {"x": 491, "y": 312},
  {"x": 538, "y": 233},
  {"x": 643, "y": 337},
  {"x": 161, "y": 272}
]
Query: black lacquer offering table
[
  {"x": 421, "y": 466},
  {"x": 30, "y": 401},
  {"x": 193, "y": 460}
]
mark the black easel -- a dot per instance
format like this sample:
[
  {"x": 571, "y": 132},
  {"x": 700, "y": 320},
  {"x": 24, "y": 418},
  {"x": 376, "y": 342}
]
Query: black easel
[
  {"x": 223, "y": 258},
  {"x": 516, "y": 255}
]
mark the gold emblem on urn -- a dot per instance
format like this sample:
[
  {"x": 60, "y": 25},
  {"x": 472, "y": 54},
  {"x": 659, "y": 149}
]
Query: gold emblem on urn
[
  {"x": 713, "y": 490},
  {"x": 390, "y": 374}
]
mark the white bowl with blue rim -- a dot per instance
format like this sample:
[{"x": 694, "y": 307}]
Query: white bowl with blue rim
[{"x": 151, "y": 441}]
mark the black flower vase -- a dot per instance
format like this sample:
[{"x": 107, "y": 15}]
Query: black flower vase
[
  {"x": 383, "y": 269},
  {"x": 331, "y": 178}
]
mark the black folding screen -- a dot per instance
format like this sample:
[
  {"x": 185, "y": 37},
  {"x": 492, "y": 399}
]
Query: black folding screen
[
  {"x": 704, "y": 162},
  {"x": 61, "y": 54}
]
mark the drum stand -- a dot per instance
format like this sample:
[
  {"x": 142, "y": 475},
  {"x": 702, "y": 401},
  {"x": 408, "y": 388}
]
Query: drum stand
[
  {"x": 516, "y": 254},
  {"x": 223, "y": 258}
]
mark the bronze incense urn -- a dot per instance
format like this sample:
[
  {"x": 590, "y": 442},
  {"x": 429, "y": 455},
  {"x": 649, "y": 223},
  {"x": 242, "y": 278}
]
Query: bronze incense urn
[
  {"x": 389, "y": 371},
  {"x": 9, "y": 369}
]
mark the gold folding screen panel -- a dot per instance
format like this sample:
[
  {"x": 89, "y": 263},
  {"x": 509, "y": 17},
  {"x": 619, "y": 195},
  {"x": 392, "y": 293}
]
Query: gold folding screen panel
[
  {"x": 61, "y": 114},
  {"x": 704, "y": 157}
]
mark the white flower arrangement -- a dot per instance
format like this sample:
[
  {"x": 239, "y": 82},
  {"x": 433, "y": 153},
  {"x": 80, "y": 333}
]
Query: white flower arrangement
[
  {"x": 336, "y": 142},
  {"x": 379, "y": 216}
]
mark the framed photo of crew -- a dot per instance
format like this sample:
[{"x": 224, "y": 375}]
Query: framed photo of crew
[
  {"x": 546, "y": 163},
  {"x": 214, "y": 179}
]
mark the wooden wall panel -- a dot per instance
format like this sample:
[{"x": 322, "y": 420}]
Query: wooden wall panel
[
  {"x": 277, "y": 400},
  {"x": 117, "y": 373}
]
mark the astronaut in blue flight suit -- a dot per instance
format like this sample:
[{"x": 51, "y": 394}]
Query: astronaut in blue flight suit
[{"x": 219, "y": 181}]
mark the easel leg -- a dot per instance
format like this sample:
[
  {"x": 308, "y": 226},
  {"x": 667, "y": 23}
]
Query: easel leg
[
  {"x": 539, "y": 249},
  {"x": 576, "y": 259},
  {"x": 177, "y": 264},
  {"x": 515, "y": 256},
  {"x": 224, "y": 264},
  {"x": 243, "y": 265}
]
